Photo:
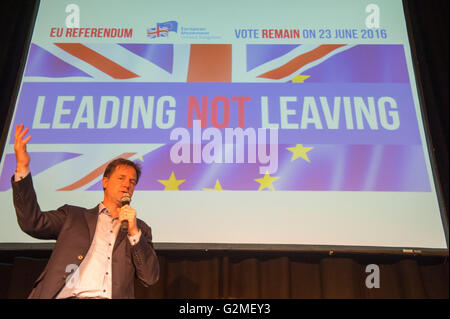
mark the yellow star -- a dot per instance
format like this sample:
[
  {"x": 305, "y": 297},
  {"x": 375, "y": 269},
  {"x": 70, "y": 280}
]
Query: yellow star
[
  {"x": 217, "y": 187},
  {"x": 266, "y": 181},
  {"x": 300, "y": 78},
  {"x": 299, "y": 151},
  {"x": 172, "y": 183},
  {"x": 141, "y": 158}
]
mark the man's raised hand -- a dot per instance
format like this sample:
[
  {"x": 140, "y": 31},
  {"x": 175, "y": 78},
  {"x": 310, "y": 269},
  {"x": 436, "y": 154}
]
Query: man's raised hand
[{"x": 20, "y": 148}]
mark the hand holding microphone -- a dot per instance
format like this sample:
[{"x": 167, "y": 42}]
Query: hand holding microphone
[{"x": 127, "y": 216}]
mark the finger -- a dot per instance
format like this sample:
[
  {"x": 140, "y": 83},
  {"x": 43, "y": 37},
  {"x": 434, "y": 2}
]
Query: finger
[
  {"x": 19, "y": 134},
  {"x": 124, "y": 217},
  {"x": 17, "y": 141},
  {"x": 122, "y": 214},
  {"x": 18, "y": 130},
  {"x": 129, "y": 211},
  {"x": 23, "y": 133},
  {"x": 25, "y": 141}
]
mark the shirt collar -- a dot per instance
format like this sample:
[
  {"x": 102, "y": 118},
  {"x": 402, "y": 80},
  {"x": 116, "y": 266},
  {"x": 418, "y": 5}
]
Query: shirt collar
[{"x": 103, "y": 210}]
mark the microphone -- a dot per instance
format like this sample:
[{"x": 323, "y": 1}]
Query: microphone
[{"x": 126, "y": 199}]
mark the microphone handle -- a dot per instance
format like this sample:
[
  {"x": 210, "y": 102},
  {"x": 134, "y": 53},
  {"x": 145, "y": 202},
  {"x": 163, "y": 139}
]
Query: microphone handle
[{"x": 124, "y": 225}]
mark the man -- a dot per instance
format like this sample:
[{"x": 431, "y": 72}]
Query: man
[{"x": 92, "y": 257}]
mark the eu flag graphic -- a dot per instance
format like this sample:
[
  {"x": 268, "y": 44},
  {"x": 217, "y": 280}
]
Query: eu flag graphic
[{"x": 172, "y": 26}]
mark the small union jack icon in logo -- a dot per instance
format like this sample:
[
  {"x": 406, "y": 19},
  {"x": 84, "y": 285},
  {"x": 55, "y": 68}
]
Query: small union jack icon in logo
[
  {"x": 157, "y": 32},
  {"x": 162, "y": 29}
]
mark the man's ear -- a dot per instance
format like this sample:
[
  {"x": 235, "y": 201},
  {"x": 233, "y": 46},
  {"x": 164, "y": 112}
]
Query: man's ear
[{"x": 105, "y": 181}]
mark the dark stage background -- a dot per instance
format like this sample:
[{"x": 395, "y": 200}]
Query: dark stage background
[{"x": 268, "y": 274}]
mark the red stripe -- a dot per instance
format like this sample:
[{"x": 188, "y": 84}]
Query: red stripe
[
  {"x": 300, "y": 61},
  {"x": 97, "y": 60},
  {"x": 92, "y": 175},
  {"x": 210, "y": 63}
]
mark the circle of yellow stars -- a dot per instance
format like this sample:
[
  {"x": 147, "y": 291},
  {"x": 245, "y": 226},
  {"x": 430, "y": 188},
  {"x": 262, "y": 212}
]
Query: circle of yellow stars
[{"x": 298, "y": 151}]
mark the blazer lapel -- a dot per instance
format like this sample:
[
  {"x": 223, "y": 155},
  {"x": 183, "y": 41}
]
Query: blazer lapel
[{"x": 120, "y": 236}]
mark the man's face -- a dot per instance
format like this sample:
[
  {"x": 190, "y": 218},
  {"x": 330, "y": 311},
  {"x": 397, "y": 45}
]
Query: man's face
[{"x": 122, "y": 180}]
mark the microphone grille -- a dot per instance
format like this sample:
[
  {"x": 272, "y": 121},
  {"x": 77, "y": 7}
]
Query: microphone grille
[{"x": 126, "y": 198}]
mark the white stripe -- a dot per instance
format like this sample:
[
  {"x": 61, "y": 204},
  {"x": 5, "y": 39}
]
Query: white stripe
[
  {"x": 130, "y": 61},
  {"x": 315, "y": 63},
  {"x": 93, "y": 156},
  {"x": 277, "y": 62},
  {"x": 76, "y": 62},
  {"x": 181, "y": 54},
  {"x": 147, "y": 71},
  {"x": 240, "y": 74}
]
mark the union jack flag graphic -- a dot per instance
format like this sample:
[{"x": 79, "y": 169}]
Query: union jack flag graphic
[
  {"x": 368, "y": 166},
  {"x": 158, "y": 32},
  {"x": 245, "y": 63}
]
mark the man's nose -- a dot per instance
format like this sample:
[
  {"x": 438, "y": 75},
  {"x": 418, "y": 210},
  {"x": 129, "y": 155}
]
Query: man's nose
[{"x": 126, "y": 183}]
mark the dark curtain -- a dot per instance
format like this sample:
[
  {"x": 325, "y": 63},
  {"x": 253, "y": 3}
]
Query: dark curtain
[
  {"x": 15, "y": 21},
  {"x": 429, "y": 22},
  {"x": 232, "y": 274},
  {"x": 268, "y": 275},
  {"x": 294, "y": 275}
]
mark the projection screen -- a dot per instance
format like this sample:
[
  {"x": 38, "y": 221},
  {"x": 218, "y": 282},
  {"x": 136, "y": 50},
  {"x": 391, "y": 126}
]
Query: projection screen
[{"x": 258, "y": 124}]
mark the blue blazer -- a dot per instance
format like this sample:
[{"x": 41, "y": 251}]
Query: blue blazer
[{"x": 73, "y": 229}]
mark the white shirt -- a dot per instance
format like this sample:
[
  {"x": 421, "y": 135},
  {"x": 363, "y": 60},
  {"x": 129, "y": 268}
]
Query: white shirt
[{"x": 93, "y": 278}]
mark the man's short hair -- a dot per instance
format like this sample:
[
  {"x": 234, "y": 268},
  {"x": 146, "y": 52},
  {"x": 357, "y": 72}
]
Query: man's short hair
[{"x": 122, "y": 161}]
